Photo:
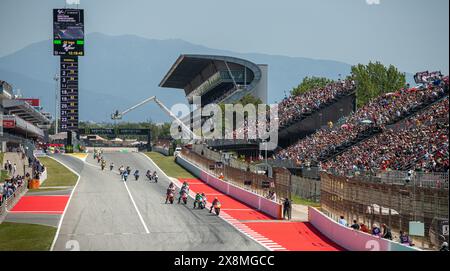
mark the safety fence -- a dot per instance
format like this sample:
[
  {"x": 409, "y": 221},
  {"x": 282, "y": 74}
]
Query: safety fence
[
  {"x": 10, "y": 201},
  {"x": 409, "y": 178},
  {"x": 306, "y": 188},
  {"x": 218, "y": 156},
  {"x": 257, "y": 183},
  {"x": 392, "y": 201}
]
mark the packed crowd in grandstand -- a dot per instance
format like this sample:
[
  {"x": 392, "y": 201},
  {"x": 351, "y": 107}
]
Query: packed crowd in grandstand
[
  {"x": 292, "y": 107},
  {"x": 382, "y": 111},
  {"x": 420, "y": 143}
]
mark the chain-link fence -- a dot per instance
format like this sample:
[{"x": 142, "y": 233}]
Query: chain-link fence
[
  {"x": 306, "y": 188},
  {"x": 390, "y": 198}
]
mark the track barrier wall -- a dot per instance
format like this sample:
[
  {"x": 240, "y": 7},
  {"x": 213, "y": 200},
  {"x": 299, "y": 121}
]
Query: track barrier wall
[
  {"x": 161, "y": 150},
  {"x": 256, "y": 201},
  {"x": 351, "y": 239}
]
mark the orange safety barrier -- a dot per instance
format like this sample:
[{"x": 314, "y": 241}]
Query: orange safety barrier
[{"x": 34, "y": 184}]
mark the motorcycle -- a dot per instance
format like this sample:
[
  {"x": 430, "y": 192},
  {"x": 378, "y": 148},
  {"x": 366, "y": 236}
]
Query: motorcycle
[
  {"x": 184, "y": 197},
  {"x": 103, "y": 167},
  {"x": 155, "y": 178},
  {"x": 171, "y": 197},
  {"x": 111, "y": 168},
  {"x": 217, "y": 208},
  {"x": 202, "y": 204},
  {"x": 136, "y": 177}
]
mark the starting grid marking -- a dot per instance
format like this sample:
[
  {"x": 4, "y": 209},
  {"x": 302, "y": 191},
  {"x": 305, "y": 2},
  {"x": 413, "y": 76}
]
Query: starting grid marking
[{"x": 264, "y": 241}]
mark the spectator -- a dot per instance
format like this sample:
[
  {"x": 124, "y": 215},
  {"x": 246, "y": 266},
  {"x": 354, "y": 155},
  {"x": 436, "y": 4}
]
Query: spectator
[
  {"x": 287, "y": 206},
  {"x": 386, "y": 232},
  {"x": 404, "y": 239},
  {"x": 273, "y": 197},
  {"x": 364, "y": 228},
  {"x": 355, "y": 225},
  {"x": 342, "y": 221},
  {"x": 376, "y": 230}
]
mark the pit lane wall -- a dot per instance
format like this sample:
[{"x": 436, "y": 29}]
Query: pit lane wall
[
  {"x": 351, "y": 239},
  {"x": 256, "y": 201}
]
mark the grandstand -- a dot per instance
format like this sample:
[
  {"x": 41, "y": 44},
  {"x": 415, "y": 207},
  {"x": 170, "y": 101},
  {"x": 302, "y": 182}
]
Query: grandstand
[
  {"x": 22, "y": 123},
  {"x": 366, "y": 122},
  {"x": 303, "y": 114},
  {"x": 219, "y": 79}
]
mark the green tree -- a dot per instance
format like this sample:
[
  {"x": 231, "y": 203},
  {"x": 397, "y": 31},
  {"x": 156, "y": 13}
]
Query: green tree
[
  {"x": 249, "y": 99},
  {"x": 374, "y": 79},
  {"x": 309, "y": 83}
]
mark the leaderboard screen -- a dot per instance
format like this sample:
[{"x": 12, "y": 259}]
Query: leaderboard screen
[
  {"x": 69, "y": 94},
  {"x": 68, "y": 32}
]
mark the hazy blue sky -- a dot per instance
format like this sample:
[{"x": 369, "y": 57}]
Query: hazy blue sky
[{"x": 412, "y": 34}]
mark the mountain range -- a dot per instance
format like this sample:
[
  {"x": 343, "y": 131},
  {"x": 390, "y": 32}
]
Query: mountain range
[{"x": 119, "y": 71}]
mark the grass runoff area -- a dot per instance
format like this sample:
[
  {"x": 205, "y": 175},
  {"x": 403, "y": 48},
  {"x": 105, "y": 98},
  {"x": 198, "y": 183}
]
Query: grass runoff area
[
  {"x": 298, "y": 200},
  {"x": 3, "y": 173},
  {"x": 25, "y": 237},
  {"x": 58, "y": 175},
  {"x": 169, "y": 166}
]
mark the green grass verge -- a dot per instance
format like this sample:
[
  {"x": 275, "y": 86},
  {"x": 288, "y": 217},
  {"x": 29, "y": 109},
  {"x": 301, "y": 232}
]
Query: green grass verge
[
  {"x": 168, "y": 165},
  {"x": 44, "y": 189},
  {"x": 298, "y": 200},
  {"x": 58, "y": 175},
  {"x": 3, "y": 175},
  {"x": 25, "y": 237}
]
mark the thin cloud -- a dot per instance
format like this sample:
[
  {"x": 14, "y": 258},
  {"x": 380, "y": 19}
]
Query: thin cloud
[{"x": 373, "y": 2}]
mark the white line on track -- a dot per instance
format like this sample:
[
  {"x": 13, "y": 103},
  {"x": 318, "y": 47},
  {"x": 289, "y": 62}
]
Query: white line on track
[
  {"x": 67, "y": 204},
  {"x": 135, "y": 207},
  {"x": 131, "y": 198}
]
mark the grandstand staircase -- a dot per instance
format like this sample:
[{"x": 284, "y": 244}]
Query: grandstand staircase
[{"x": 366, "y": 134}]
